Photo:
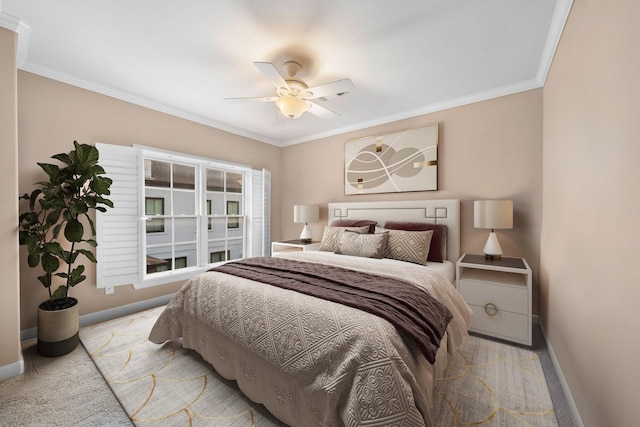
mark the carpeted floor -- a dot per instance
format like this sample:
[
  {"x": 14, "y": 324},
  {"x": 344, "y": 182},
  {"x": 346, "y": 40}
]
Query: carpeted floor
[
  {"x": 70, "y": 390},
  {"x": 493, "y": 384},
  {"x": 58, "y": 391},
  {"x": 487, "y": 383}
]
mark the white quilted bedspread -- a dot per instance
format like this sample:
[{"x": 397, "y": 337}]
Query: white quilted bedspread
[{"x": 309, "y": 361}]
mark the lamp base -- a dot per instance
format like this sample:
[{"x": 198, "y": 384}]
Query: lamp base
[
  {"x": 492, "y": 249},
  {"x": 305, "y": 236}
]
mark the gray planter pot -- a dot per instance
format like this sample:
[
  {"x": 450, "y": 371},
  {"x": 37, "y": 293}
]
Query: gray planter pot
[{"x": 58, "y": 330}]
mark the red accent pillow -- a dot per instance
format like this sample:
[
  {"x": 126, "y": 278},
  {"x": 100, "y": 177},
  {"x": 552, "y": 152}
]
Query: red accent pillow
[
  {"x": 354, "y": 223},
  {"x": 438, "y": 241}
]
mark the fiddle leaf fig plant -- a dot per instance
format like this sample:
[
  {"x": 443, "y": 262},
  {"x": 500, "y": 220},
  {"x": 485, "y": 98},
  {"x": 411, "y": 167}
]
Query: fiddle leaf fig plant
[{"x": 74, "y": 189}]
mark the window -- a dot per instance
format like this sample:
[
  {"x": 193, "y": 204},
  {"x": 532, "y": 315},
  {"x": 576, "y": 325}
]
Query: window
[
  {"x": 195, "y": 212},
  {"x": 233, "y": 208},
  {"x": 154, "y": 206},
  {"x": 155, "y": 265},
  {"x": 172, "y": 185},
  {"x": 180, "y": 262},
  {"x": 219, "y": 256}
]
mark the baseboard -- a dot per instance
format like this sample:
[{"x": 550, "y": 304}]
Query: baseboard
[
  {"x": 573, "y": 409},
  {"x": 12, "y": 369},
  {"x": 108, "y": 314}
]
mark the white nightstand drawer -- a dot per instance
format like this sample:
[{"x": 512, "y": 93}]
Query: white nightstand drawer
[
  {"x": 499, "y": 293},
  {"x": 505, "y": 298},
  {"x": 503, "y": 324}
]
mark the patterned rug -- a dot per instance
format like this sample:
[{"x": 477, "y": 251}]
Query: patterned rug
[{"x": 487, "y": 383}]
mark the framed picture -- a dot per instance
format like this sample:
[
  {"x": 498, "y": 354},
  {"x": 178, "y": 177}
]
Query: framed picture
[{"x": 393, "y": 162}]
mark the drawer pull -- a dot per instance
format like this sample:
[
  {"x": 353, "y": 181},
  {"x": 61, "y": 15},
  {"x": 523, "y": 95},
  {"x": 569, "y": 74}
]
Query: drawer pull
[{"x": 491, "y": 309}]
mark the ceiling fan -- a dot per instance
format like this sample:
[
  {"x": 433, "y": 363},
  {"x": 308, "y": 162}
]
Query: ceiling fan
[{"x": 293, "y": 95}]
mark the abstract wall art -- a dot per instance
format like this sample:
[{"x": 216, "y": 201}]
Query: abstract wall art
[{"x": 393, "y": 162}]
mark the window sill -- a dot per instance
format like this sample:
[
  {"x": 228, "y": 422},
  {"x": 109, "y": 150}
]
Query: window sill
[{"x": 170, "y": 277}]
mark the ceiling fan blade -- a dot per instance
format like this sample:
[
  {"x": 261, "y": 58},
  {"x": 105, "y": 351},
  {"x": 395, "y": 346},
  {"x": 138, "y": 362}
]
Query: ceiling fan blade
[
  {"x": 330, "y": 90},
  {"x": 253, "y": 99},
  {"x": 321, "y": 111},
  {"x": 272, "y": 74}
]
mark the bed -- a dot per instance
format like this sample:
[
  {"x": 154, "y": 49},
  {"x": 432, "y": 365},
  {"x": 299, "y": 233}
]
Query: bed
[{"x": 316, "y": 362}]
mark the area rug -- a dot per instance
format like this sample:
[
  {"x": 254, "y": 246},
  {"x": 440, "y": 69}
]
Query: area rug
[{"x": 487, "y": 383}]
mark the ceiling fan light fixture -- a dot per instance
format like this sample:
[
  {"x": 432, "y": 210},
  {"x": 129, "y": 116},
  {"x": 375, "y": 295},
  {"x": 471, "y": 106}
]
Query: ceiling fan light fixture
[{"x": 292, "y": 107}]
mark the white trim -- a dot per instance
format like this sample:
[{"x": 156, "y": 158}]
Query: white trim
[
  {"x": 136, "y": 100},
  {"x": 560, "y": 16},
  {"x": 162, "y": 154},
  {"x": 558, "y": 22},
  {"x": 10, "y": 22},
  {"x": 12, "y": 369},
  {"x": 14, "y": 24},
  {"x": 573, "y": 409},
  {"x": 440, "y": 106},
  {"x": 170, "y": 276},
  {"x": 427, "y": 109},
  {"x": 108, "y": 314}
]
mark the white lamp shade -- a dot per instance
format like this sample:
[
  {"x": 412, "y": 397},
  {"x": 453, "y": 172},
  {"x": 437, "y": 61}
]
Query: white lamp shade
[
  {"x": 306, "y": 213},
  {"x": 493, "y": 214}
]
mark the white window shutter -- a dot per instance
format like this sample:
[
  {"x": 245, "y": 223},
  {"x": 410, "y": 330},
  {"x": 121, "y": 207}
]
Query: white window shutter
[
  {"x": 260, "y": 233},
  {"x": 118, "y": 229}
]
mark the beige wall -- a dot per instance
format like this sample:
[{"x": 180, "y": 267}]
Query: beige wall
[
  {"x": 590, "y": 277},
  {"x": 52, "y": 115},
  {"x": 585, "y": 172},
  {"x": 9, "y": 286},
  {"x": 491, "y": 149}
]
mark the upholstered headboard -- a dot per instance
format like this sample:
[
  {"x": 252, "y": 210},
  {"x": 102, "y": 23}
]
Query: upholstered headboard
[{"x": 445, "y": 212}]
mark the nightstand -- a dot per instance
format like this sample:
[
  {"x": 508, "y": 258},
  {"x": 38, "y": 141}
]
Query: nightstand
[
  {"x": 293, "y": 245},
  {"x": 499, "y": 293}
]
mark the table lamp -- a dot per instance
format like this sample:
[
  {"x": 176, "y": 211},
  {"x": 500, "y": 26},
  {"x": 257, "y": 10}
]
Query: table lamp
[
  {"x": 306, "y": 214},
  {"x": 493, "y": 214}
]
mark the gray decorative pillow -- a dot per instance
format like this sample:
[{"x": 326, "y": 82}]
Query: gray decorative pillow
[
  {"x": 411, "y": 246},
  {"x": 331, "y": 237},
  {"x": 363, "y": 245}
]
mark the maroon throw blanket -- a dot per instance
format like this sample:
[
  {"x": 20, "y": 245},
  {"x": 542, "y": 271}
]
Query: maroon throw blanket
[{"x": 410, "y": 309}]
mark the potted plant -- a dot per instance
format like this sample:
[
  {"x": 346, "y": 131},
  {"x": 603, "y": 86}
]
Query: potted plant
[{"x": 57, "y": 241}]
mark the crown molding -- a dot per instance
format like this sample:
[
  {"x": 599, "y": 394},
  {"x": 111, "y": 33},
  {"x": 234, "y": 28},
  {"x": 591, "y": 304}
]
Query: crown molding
[
  {"x": 428, "y": 109},
  {"x": 560, "y": 16},
  {"x": 143, "y": 102},
  {"x": 432, "y": 108},
  {"x": 14, "y": 24}
]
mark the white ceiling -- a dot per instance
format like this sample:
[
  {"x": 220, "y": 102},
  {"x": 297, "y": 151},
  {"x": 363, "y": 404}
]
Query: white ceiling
[{"x": 183, "y": 57}]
